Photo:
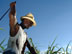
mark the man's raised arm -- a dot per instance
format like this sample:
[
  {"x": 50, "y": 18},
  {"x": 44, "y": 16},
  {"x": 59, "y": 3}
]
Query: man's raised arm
[{"x": 12, "y": 19}]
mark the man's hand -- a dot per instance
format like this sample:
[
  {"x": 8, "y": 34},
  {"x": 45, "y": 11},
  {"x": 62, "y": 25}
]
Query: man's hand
[
  {"x": 12, "y": 8},
  {"x": 13, "y": 4}
]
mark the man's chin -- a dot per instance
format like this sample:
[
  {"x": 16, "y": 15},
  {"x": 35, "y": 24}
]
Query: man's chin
[{"x": 27, "y": 27}]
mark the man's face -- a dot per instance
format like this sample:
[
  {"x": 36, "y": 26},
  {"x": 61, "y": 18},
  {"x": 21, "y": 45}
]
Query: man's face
[{"x": 27, "y": 23}]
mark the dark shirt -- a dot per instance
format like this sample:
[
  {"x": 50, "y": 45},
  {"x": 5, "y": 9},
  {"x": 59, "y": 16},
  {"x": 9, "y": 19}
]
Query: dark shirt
[{"x": 9, "y": 52}]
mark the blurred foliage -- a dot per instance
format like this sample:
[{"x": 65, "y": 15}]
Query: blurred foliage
[
  {"x": 1, "y": 29},
  {"x": 51, "y": 48}
]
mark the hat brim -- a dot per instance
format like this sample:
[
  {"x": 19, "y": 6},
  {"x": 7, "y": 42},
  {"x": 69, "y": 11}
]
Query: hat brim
[{"x": 24, "y": 17}]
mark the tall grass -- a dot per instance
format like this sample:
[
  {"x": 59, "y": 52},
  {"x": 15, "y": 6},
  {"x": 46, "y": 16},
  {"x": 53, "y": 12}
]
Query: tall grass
[
  {"x": 52, "y": 47},
  {"x": 66, "y": 51},
  {"x": 1, "y": 44}
]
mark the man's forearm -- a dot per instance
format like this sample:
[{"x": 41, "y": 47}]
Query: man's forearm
[
  {"x": 13, "y": 10},
  {"x": 32, "y": 50}
]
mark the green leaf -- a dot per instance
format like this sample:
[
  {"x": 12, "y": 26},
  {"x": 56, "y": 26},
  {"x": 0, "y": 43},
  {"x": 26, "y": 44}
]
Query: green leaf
[
  {"x": 2, "y": 47},
  {"x": 57, "y": 50},
  {"x": 1, "y": 29},
  {"x": 2, "y": 42},
  {"x": 30, "y": 39},
  {"x": 53, "y": 48},
  {"x": 49, "y": 48},
  {"x": 67, "y": 47},
  {"x": 53, "y": 42}
]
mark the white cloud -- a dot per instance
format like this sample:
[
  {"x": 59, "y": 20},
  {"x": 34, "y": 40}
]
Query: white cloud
[
  {"x": 43, "y": 52},
  {"x": 70, "y": 47}
]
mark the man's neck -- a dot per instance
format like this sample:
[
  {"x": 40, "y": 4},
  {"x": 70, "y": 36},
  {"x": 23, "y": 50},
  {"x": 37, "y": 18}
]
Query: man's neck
[{"x": 23, "y": 27}]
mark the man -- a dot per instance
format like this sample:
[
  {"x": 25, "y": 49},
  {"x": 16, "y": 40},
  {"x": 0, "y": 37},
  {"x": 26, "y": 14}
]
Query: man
[{"x": 18, "y": 37}]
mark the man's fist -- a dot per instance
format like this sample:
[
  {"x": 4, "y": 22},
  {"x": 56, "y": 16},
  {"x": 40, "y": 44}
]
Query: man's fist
[{"x": 13, "y": 4}]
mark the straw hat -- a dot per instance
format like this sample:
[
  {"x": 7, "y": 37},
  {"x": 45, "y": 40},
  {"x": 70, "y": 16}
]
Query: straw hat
[{"x": 30, "y": 17}]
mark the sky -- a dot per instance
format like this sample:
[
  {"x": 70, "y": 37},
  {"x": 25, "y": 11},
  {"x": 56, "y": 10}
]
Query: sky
[{"x": 53, "y": 18}]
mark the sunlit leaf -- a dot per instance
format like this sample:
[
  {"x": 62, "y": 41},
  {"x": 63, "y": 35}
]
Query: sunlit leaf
[
  {"x": 67, "y": 47},
  {"x": 2, "y": 42}
]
